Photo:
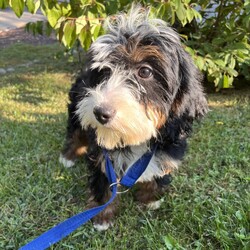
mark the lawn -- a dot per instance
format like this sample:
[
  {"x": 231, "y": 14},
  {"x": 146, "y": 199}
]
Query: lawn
[{"x": 208, "y": 203}]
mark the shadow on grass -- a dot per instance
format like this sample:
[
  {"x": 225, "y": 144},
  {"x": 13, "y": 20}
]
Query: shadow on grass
[
  {"x": 44, "y": 58},
  {"x": 34, "y": 88},
  {"x": 31, "y": 97},
  {"x": 229, "y": 98}
]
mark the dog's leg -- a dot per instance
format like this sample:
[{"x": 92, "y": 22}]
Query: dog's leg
[
  {"x": 150, "y": 193},
  {"x": 76, "y": 140},
  {"x": 75, "y": 146},
  {"x": 100, "y": 194}
]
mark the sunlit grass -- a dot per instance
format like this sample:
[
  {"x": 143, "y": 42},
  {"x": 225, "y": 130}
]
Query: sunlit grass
[{"x": 208, "y": 203}]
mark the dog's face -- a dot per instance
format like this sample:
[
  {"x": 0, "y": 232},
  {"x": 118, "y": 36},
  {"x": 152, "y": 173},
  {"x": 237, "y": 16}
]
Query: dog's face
[{"x": 138, "y": 74}]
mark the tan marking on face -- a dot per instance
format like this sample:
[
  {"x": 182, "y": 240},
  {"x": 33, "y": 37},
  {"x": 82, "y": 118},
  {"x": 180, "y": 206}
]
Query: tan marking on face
[
  {"x": 167, "y": 171},
  {"x": 176, "y": 106},
  {"x": 169, "y": 164},
  {"x": 156, "y": 116},
  {"x": 138, "y": 54}
]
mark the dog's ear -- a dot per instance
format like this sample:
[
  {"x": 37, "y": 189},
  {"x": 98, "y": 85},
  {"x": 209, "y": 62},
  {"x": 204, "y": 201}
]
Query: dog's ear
[{"x": 190, "y": 98}]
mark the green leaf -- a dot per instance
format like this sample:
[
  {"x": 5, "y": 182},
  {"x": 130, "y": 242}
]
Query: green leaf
[
  {"x": 4, "y": 4},
  {"x": 211, "y": 63},
  {"x": 227, "y": 58},
  {"x": 196, "y": 14},
  {"x": 173, "y": 16},
  {"x": 60, "y": 32},
  {"x": 219, "y": 81},
  {"x": 220, "y": 62},
  {"x": 232, "y": 63},
  {"x": 218, "y": 40},
  {"x": 230, "y": 80},
  {"x": 190, "y": 51},
  {"x": 86, "y": 2},
  {"x": 17, "y": 6},
  {"x": 28, "y": 27},
  {"x": 82, "y": 36},
  {"x": 87, "y": 41},
  {"x": 95, "y": 31},
  {"x": 177, "y": 3},
  {"x": 244, "y": 47},
  {"x": 93, "y": 18},
  {"x": 200, "y": 62},
  {"x": 180, "y": 12},
  {"x": 160, "y": 11},
  {"x": 37, "y": 5},
  {"x": 39, "y": 27},
  {"x": 60, "y": 22},
  {"x": 32, "y": 5},
  {"x": 190, "y": 15},
  {"x": 232, "y": 72},
  {"x": 69, "y": 33},
  {"x": 80, "y": 24},
  {"x": 225, "y": 81},
  {"x": 85, "y": 38},
  {"x": 65, "y": 9},
  {"x": 53, "y": 15},
  {"x": 100, "y": 7},
  {"x": 48, "y": 29}
]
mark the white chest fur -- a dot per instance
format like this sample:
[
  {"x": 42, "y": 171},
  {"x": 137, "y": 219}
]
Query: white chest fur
[{"x": 159, "y": 165}]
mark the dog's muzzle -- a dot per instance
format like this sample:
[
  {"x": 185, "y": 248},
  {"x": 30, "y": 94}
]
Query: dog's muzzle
[{"x": 104, "y": 114}]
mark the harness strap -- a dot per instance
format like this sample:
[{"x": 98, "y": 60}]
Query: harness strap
[{"x": 63, "y": 229}]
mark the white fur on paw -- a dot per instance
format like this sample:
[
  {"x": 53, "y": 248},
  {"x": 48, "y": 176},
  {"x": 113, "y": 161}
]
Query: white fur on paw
[
  {"x": 154, "y": 205},
  {"x": 102, "y": 227},
  {"x": 66, "y": 163}
]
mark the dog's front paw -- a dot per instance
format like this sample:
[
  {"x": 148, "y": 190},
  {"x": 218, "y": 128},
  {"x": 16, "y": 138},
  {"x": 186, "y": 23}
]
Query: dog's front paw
[
  {"x": 104, "y": 220},
  {"x": 103, "y": 226},
  {"x": 66, "y": 162},
  {"x": 154, "y": 205}
]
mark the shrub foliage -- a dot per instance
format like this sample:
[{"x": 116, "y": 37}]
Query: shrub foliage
[{"x": 216, "y": 33}]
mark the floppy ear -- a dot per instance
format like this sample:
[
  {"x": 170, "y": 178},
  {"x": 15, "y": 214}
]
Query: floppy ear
[{"x": 190, "y": 98}]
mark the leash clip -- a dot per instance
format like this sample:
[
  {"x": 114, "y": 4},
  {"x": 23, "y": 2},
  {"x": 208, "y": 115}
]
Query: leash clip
[{"x": 118, "y": 183}]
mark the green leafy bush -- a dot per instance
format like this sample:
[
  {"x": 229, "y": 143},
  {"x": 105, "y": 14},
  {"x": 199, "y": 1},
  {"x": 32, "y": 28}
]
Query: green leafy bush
[{"x": 216, "y": 33}]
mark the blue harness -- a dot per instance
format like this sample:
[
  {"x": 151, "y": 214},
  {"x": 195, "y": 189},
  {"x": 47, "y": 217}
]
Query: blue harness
[{"x": 63, "y": 229}]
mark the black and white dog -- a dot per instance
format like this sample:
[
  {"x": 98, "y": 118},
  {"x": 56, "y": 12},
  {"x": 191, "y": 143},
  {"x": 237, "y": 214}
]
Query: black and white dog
[{"x": 139, "y": 88}]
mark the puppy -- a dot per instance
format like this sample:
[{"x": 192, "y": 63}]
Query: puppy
[{"x": 139, "y": 88}]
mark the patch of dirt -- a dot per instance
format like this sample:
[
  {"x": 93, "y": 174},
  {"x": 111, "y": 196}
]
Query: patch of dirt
[{"x": 19, "y": 35}]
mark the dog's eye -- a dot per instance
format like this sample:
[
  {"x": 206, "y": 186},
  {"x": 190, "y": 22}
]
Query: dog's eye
[{"x": 145, "y": 72}]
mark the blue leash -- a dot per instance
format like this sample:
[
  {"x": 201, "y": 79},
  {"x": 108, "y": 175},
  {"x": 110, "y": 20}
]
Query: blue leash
[{"x": 63, "y": 229}]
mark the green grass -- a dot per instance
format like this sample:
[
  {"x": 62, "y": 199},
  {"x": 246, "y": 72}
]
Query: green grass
[{"x": 208, "y": 203}]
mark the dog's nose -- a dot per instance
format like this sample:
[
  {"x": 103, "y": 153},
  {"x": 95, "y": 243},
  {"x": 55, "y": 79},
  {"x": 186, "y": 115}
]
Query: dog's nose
[{"x": 104, "y": 114}]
